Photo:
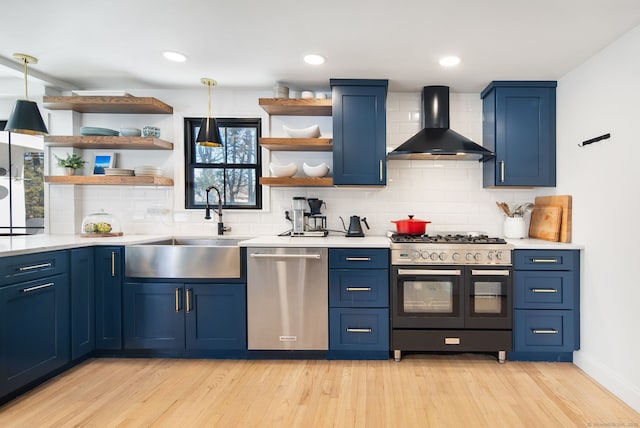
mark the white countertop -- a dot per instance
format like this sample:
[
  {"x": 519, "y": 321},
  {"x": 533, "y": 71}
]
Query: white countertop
[{"x": 15, "y": 245}]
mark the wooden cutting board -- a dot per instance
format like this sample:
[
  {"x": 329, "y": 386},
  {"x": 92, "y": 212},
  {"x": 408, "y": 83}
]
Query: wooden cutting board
[
  {"x": 563, "y": 201},
  {"x": 545, "y": 223}
]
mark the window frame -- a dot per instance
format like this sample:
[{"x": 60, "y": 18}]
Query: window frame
[{"x": 190, "y": 125}]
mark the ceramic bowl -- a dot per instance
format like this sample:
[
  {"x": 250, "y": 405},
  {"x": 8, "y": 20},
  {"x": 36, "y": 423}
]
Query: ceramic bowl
[
  {"x": 130, "y": 132},
  {"x": 312, "y": 131},
  {"x": 151, "y": 131},
  {"x": 288, "y": 170},
  {"x": 315, "y": 171}
]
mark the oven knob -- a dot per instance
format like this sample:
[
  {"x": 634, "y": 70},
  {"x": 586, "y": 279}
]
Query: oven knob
[
  {"x": 425, "y": 254},
  {"x": 499, "y": 255},
  {"x": 455, "y": 256},
  {"x": 434, "y": 256},
  {"x": 478, "y": 256},
  {"x": 442, "y": 256},
  {"x": 415, "y": 255},
  {"x": 468, "y": 256},
  {"x": 490, "y": 256}
]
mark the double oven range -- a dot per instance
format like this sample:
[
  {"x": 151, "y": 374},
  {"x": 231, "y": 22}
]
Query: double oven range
[{"x": 451, "y": 293}]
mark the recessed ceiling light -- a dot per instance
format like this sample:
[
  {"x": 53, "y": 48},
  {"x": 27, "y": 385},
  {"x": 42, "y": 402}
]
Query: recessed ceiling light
[
  {"x": 314, "y": 59},
  {"x": 174, "y": 56},
  {"x": 449, "y": 61}
]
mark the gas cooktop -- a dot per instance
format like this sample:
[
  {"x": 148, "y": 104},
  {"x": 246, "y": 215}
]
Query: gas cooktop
[{"x": 446, "y": 239}]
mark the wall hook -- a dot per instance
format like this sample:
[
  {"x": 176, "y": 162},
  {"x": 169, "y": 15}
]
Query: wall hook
[{"x": 593, "y": 140}]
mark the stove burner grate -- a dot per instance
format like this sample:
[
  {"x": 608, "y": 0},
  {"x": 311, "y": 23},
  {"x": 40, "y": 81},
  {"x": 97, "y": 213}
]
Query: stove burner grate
[{"x": 446, "y": 239}]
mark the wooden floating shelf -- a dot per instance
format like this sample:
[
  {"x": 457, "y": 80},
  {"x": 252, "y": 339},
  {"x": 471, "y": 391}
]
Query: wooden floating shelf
[
  {"x": 109, "y": 179},
  {"x": 297, "y": 181},
  {"x": 296, "y": 106},
  {"x": 297, "y": 144},
  {"x": 81, "y": 104},
  {"x": 107, "y": 142}
]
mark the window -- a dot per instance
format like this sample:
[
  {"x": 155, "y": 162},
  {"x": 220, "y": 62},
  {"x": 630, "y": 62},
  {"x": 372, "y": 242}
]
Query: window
[{"x": 233, "y": 168}]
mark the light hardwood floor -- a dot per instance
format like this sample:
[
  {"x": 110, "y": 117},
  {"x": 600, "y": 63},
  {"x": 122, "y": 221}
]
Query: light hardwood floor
[{"x": 464, "y": 390}]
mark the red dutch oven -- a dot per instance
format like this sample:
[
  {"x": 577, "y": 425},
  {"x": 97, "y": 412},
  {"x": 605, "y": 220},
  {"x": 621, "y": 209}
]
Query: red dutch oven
[{"x": 411, "y": 226}]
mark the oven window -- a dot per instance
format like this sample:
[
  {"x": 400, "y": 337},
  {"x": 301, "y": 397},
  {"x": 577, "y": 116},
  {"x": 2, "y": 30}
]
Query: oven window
[
  {"x": 428, "y": 296},
  {"x": 488, "y": 297}
]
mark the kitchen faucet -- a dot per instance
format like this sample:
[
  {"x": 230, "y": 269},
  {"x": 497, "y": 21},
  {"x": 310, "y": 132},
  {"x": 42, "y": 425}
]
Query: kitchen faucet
[{"x": 207, "y": 215}]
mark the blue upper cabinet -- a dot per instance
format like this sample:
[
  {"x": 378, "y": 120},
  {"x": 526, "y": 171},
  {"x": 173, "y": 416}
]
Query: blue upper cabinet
[
  {"x": 519, "y": 126},
  {"x": 359, "y": 132}
]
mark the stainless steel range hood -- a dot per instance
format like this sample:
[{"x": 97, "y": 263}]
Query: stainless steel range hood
[{"x": 436, "y": 140}]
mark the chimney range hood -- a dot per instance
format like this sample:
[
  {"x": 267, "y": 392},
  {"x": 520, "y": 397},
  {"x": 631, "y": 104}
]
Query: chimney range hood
[{"x": 436, "y": 141}]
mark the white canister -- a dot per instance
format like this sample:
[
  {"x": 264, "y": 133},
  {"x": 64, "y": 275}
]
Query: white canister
[{"x": 514, "y": 227}]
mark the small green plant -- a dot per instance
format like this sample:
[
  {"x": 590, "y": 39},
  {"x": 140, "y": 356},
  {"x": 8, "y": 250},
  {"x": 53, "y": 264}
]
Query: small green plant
[{"x": 71, "y": 161}]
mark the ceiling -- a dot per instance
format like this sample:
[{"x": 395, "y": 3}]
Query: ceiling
[{"x": 117, "y": 44}]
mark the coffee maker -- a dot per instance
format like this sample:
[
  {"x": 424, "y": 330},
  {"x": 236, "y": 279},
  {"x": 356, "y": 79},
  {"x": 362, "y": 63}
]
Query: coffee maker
[{"x": 308, "y": 223}]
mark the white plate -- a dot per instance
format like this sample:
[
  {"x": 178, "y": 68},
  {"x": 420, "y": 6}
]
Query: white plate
[{"x": 101, "y": 93}]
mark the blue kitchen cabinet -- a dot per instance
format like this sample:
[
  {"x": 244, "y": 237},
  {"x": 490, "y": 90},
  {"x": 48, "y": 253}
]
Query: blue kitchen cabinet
[
  {"x": 109, "y": 271},
  {"x": 83, "y": 324},
  {"x": 519, "y": 126},
  {"x": 547, "y": 305},
  {"x": 185, "y": 317},
  {"x": 359, "y": 131},
  {"x": 359, "y": 303},
  {"x": 34, "y": 319}
]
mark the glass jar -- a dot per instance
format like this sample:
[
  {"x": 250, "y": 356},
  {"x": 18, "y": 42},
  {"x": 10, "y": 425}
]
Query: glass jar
[{"x": 100, "y": 224}]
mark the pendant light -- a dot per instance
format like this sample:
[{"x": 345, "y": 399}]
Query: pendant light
[
  {"x": 25, "y": 117},
  {"x": 209, "y": 134}
]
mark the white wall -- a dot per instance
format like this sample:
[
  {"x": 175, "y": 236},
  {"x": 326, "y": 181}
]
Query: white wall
[
  {"x": 448, "y": 193},
  {"x": 599, "y": 97}
]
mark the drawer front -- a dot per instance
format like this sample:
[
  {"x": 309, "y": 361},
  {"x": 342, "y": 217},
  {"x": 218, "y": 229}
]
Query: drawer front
[
  {"x": 544, "y": 331},
  {"x": 358, "y": 258},
  {"x": 359, "y": 329},
  {"x": 544, "y": 290},
  {"x": 359, "y": 288},
  {"x": 545, "y": 259},
  {"x": 28, "y": 267}
]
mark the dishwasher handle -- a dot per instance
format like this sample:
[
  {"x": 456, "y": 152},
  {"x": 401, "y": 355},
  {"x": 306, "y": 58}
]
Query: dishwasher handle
[{"x": 285, "y": 256}]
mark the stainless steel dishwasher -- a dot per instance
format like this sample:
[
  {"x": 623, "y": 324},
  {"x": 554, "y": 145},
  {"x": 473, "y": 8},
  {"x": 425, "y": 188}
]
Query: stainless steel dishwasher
[{"x": 287, "y": 298}]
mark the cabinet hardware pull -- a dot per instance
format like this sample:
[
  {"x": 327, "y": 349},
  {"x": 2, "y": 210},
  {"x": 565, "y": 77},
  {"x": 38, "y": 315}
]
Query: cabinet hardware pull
[
  {"x": 544, "y": 260},
  {"x": 358, "y": 288},
  {"x": 489, "y": 272},
  {"x": 544, "y": 290},
  {"x": 381, "y": 178},
  {"x": 358, "y": 259},
  {"x": 285, "y": 256},
  {"x": 425, "y": 272},
  {"x": 545, "y": 331},
  {"x": 188, "y": 298},
  {"x": 177, "y": 300},
  {"x": 451, "y": 340},
  {"x": 359, "y": 330},
  {"x": 501, "y": 171},
  {"x": 113, "y": 263},
  {"x": 27, "y": 268},
  {"x": 38, "y": 287}
]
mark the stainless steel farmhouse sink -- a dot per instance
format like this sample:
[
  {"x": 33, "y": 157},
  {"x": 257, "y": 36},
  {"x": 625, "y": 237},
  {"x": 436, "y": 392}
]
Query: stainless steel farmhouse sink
[{"x": 186, "y": 257}]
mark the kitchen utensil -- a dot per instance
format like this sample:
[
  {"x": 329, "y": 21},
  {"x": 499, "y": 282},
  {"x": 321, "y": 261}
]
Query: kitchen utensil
[
  {"x": 504, "y": 208},
  {"x": 355, "y": 228},
  {"x": 565, "y": 202},
  {"x": 411, "y": 226},
  {"x": 545, "y": 223},
  {"x": 312, "y": 131},
  {"x": 288, "y": 170},
  {"x": 315, "y": 171}
]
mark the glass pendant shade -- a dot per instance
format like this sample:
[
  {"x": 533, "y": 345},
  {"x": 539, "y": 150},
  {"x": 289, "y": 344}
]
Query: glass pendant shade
[
  {"x": 209, "y": 134},
  {"x": 26, "y": 119}
]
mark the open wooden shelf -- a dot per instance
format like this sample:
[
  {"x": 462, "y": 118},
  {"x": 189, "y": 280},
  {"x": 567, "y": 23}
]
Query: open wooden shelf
[
  {"x": 296, "y": 106},
  {"x": 107, "y": 142},
  {"x": 297, "y": 144},
  {"x": 82, "y": 104},
  {"x": 109, "y": 179},
  {"x": 297, "y": 181}
]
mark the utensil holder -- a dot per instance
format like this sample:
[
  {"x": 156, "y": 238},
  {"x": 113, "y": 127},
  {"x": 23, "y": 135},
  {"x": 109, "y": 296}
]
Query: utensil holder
[{"x": 514, "y": 227}]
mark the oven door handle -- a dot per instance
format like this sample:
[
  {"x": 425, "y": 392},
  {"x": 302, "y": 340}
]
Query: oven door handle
[
  {"x": 476, "y": 272},
  {"x": 456, "y": 272}
]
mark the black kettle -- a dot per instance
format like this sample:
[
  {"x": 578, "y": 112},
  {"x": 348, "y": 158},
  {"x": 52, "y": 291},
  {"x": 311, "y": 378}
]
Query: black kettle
[{"x": 355, "y": 229}]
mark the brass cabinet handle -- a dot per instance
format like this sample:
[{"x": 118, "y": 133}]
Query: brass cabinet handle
[
  {"x": 381, "y": 171},
  {"x": 113, "y": 263},
  {"x": 501, "y": 171},
  {"x": 177, "y": 300},
  {"x": 27, "y": 268},
  {"x": 358, "y": 259},
  {"x": 358, "y": 288},
  {"x": 359, "y": 330},
  {"x": 544, "y": 331},
  {"x": 188, "y": 299},
  {"x": 544, "y": 260},
  {"x": 544, "y": 290},
  {"x": 38, "y": 287},
  {"x": 451, "y": 340}
]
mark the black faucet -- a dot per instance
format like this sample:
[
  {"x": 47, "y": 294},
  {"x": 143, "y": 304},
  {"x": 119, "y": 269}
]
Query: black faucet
[{"x": 207, "y": 213}]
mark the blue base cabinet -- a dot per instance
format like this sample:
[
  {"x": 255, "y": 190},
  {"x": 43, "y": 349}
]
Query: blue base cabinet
[
  {"x": 358, "y": 303},
  {"x": 109, "y": 270},
  {"x": 519, "y": 126},
  {"x": 547, "y": 305},
  {"x": 359, "y": 132},
  {"x": 83, "y": 324},
  {"x": 34, "y": 318}
]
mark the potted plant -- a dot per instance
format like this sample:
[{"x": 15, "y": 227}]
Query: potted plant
[{"x": 70, "y": 163}]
